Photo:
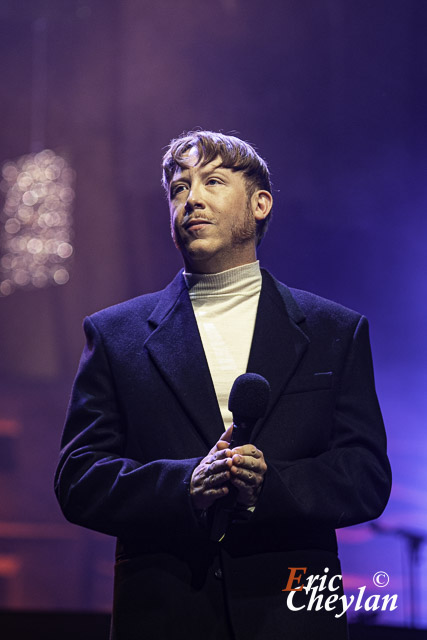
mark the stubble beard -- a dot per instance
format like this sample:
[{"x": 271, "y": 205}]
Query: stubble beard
[
  {"x": 242, "y": 232},
  {"x": 245, "y": 231}
]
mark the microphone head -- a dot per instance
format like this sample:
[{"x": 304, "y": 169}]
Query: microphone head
[{"x": 249, "y": 398}]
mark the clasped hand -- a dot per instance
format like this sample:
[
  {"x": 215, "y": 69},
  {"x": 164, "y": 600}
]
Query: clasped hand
[{"x": 244, "y": 467}]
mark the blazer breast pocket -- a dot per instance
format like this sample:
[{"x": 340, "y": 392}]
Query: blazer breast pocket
[
  {"x": 303, "y": 416},
  {"x": 322, "y": 380}
]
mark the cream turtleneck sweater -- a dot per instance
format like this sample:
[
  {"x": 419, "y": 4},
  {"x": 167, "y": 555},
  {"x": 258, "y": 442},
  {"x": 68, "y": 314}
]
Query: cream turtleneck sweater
[{"x": 225, "y": 306}]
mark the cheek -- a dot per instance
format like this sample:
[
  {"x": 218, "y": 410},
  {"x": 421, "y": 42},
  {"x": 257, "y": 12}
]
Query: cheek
[
  {"x": 173, "y": 216},
  {"x": 173, "y": 223}
]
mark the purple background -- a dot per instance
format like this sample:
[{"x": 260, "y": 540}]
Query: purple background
[{"x": 333, "y": 94}]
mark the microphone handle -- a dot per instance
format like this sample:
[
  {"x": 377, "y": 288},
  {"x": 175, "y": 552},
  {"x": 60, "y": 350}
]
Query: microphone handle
[
  {"x": 224, "y": 507},
  {"x": 241, "y": 433}
]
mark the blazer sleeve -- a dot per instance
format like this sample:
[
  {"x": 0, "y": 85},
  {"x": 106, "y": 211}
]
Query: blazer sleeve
[
  {"x": 96, "y": 486},
  {"x": 350, "y": 482}
]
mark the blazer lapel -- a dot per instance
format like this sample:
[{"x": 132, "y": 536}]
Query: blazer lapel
[
  {"x": 278, "y": 342},
  {"x": 177, "y": 350}
]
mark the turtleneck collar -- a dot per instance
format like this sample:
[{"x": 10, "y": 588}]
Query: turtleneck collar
[{"x": 243, "y": 280}]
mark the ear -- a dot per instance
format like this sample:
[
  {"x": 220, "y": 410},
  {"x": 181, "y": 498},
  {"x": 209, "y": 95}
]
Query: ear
[{"x": 261, "y": 201}]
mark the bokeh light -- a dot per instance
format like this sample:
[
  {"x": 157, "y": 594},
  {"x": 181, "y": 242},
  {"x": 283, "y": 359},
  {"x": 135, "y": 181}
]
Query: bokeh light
[{"x": 36, "y": 222}]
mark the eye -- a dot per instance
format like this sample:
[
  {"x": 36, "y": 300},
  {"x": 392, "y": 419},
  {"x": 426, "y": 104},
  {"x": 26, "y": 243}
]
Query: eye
[
  {"x": 213, "y": 181},
  {"x": 177, "y": 189}
]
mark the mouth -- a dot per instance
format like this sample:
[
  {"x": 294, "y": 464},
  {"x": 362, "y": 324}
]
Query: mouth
[{"x": 196, "y": 223}]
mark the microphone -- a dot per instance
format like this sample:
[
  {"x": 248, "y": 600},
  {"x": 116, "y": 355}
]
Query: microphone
[{"x": 248, "y": 403}]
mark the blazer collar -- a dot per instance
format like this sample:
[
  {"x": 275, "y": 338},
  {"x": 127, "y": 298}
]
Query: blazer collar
[
  {"x": 277, "y": 346},
  {"x": 176, "y": 348},
  {"x": 278, "y": 343}
]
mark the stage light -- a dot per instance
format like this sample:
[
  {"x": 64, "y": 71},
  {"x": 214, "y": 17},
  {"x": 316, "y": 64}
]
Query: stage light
[{"x": 36, "y": 232}]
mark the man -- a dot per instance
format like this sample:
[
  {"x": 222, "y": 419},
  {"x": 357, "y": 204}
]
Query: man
[{"x": 145, "y": 453}]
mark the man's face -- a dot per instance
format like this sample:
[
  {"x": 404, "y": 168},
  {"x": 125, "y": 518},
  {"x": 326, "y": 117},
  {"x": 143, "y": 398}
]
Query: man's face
[{"x": 213, "y": 221}]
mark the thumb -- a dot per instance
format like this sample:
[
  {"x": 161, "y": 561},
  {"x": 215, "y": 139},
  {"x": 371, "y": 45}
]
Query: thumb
[{"x": 226, "y": 436}]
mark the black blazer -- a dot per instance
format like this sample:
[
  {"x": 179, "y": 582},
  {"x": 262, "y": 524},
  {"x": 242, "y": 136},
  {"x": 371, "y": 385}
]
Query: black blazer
[{"x": 142, "y": 414}]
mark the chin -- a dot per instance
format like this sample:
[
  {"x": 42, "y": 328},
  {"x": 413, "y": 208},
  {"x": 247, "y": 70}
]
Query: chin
[
  {"x": 199, "y": 260},
  {"x": 199, "y": 249}
]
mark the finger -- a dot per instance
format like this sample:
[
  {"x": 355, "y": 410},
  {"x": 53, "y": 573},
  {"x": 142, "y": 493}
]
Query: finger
[
  {"x": 223, "y": 455},
  {"x": 219, "y": 466},
  {"x": 215, "y": 492},
  {"x": 217, "y": 479},
  {"x": 205, "y": 498},
  {"x": 222, "y": 444},
  {"x": 205, "y": 479},
  {"x": 249, "y": 478},
  {"x": 248, "y": 450},
  {"x": 216, "y": 455},
  {"x": 244, "y": 490},
  {"x": 248, "y": 462},
  {"x": 247, "y": 474},
  {"x": 256, "y": 465}
]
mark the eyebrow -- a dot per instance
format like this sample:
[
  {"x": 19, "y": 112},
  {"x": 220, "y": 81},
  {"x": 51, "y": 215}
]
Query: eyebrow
[{"x": 204, "y": 173}]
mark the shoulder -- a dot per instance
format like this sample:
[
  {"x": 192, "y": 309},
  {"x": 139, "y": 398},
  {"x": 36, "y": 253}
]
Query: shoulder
[
  {"x": 141, "y": 306},
  {"x": 122, "y": 324},
  {"x": 314, "y": 309},
  {"x": 313, "y": 304},
  {"x": 137, "y": 311}
]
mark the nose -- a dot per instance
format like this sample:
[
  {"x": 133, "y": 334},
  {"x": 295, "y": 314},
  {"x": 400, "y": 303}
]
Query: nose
[{"x": 194, "y": 200}]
